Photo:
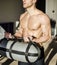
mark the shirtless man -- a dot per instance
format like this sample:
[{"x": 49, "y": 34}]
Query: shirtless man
[{"x": 33, "y": 24}]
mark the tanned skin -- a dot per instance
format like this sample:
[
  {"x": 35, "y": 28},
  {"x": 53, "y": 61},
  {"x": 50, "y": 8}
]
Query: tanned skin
[{"x": 34, "y": 24}]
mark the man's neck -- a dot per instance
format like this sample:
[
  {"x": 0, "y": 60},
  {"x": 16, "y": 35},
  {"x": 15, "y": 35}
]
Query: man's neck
[{"x": 31, "y": 10}]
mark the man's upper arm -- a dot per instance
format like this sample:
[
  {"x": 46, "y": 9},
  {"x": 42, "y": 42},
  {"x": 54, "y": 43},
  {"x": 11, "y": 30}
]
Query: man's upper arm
[
  {"x": 45, "y": 24},
  {"x": 46, "y": 29},
  {"x": 19, "y": 30},
  {"x": 21, "y": 16}
]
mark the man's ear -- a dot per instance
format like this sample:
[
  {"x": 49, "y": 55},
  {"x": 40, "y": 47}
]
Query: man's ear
[{"x": 34, "y": 1}]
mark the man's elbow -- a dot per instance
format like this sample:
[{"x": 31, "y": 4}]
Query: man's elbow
[
  {"x": 17, "y": 35},
  {"x": 48, "y": 37}
]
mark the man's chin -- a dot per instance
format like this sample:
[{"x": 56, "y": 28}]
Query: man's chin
[{"x": 25, "y": 6}]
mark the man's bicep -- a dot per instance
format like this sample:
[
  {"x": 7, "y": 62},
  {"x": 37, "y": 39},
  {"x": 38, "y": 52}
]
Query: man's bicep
[
  {"x": 18, "y": 32},
  {"x": 45, "y": 24},
  {"x": 19, "y": 29},
  {"x": 45, "y": 30}
]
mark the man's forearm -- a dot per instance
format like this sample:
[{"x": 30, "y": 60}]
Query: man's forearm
[
  {"x": 18, "y": 35},
  {"x": 41, "y": 39}
]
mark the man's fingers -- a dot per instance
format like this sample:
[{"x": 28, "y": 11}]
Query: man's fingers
[{"x": 8, "y": 35}]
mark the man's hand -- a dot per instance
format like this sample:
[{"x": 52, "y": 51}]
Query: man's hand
[
  {"x": 7, "y": 35},
  {"x": 27, "y": 39}
]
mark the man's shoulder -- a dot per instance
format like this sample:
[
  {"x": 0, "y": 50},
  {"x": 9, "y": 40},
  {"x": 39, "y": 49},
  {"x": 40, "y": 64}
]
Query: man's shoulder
[
  {"x": 40, "y": 14},
  {"x": 43, "y": 16},
  {"x": 22, "y": 15}
]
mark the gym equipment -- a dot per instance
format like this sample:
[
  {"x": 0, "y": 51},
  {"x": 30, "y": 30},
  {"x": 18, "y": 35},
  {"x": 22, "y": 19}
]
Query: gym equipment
[
  {"x": 19, "y": 50},
  {"x": 2, "y": 31}
]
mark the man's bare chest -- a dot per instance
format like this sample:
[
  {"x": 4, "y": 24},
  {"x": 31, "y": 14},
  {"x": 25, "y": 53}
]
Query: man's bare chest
[{"x": 29, "y": 23}]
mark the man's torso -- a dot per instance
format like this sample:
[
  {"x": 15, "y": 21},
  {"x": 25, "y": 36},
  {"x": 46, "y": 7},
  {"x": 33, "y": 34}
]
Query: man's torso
[{"x": 31, "y": 25}]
